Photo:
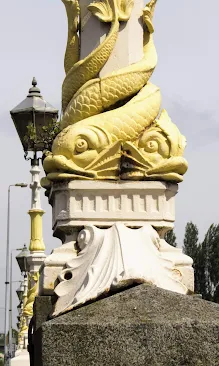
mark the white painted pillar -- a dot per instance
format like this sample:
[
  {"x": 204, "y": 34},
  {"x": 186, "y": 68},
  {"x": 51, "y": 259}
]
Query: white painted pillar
[
  {"x": 37, "y": 247},
  {"x": 129, "y": 45}
]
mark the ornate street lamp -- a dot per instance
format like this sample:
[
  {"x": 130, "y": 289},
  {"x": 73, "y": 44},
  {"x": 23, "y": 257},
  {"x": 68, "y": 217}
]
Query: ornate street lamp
[
  {"x": 21, "y": 258},
  {"x": 32, "y": 117},
  {"x": 36, "y": 123},
  {"x": 20, "y": 291}
]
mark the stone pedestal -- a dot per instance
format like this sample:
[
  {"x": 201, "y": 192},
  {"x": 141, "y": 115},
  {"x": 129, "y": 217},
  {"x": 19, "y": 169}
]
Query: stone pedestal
[
  {"x": 112, "y": 235},
  {"x": 144, "y": 325},
  {"x": 80, "y": 202}
]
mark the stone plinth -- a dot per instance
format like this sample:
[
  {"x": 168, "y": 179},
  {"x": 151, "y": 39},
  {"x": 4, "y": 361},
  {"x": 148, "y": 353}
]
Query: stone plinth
[
  {"x": 141, "y": 326},
  {"x": 80, "y": 203}
]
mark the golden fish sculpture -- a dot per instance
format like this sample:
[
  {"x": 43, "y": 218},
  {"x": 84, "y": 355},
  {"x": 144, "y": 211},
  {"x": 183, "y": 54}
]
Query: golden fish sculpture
[{"x": 112, "y": 127}]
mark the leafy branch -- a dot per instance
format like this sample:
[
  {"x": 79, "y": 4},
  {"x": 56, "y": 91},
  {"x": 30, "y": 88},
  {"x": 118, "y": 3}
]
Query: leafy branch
[{"x": 41, "y": 138}]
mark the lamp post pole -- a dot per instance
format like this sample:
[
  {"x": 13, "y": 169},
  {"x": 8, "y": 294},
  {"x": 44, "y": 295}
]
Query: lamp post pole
[
  {"x": 23, "y": 265},
  {"x": 37, "y": 247},
  {"x": 10, "y": 306},
  {"x": 36, "y": 123},
  {"x": 22, "y": 342},
  {"x": 22, "y": 185},
  {"x": 21, "y": 317},
  {"x": 7, "y": 271}
]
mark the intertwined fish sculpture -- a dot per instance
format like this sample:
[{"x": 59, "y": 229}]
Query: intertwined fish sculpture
[{"x": 112, "y": 127}]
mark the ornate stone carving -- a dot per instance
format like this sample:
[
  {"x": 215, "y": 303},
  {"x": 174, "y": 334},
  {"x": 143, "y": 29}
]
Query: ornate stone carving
[
  {"x": 111, "y": 124},
  {"x": 33, "y": 279},
  {"x": 112, "y": 128},
  {"x": 104, "y": 203},
  {"x": 117, "y": 257},
  {"x": 157, "y": 154}
]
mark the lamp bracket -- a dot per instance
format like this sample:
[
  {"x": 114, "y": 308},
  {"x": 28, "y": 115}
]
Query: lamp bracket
[
  {"x": 35, "y": 160},
  {"x": 26, "y": 156}
]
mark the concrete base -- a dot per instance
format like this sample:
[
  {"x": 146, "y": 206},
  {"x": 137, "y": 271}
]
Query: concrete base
[
  {"x": 22, "y": 359},
  {"x": 144, "y": 325}
]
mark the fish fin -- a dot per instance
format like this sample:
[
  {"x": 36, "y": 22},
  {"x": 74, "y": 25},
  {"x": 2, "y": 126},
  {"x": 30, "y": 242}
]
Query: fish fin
[
  {"x": 124, "y": 9},
  {"x": 102, "y": 10}
]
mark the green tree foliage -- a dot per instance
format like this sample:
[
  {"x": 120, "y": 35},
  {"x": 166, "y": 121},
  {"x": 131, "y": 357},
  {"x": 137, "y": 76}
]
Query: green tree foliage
[
  {"x": 191, "y": 248},
  {"x": 209, "y": 260},
  {"x": 190, "y": 244},
  {"x": 206, "y": 260},
  {"x": 43, "y": 137},
  {"x": 170, "y": 238}
]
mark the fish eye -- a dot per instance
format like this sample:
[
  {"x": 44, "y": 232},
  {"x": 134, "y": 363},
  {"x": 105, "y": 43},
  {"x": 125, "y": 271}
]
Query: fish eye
[
  {"x": 81, "y": 145},
  {"x": 151, "y": 146}
]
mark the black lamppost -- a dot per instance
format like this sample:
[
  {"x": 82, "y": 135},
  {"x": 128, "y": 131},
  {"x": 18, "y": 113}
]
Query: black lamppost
[
  {"x": 21, "y": 259},
  {"x": 20, "y": 291},
  {"x": 36, "y": 123},
  {"x": 32, "y": 116}
]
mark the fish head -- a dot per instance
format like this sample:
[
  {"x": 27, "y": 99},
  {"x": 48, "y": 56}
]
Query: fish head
[
  {"x": 157, "y": 154},
  {"x": 83, "y": 152}
]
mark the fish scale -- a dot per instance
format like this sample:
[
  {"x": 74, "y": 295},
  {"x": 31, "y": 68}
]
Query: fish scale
[
  {"x": 101, "y": 94},
  {"x": 88, "y": 68},
  {"x": 135, "y": 116},
  {"x": 108, "y": 90},
  {"x": 94, "y": 124}
]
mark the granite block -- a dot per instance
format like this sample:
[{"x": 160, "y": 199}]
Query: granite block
[{"x": 143, "y": 325}]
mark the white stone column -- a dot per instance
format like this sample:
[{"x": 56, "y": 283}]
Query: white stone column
[
  {"x": 37, "y": 247},
  {"x": 129, "y": 45},
  {"x": 34, "y": 261}
]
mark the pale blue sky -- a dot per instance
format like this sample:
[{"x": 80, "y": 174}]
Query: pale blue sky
[{"x": 33, "y": 38}]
